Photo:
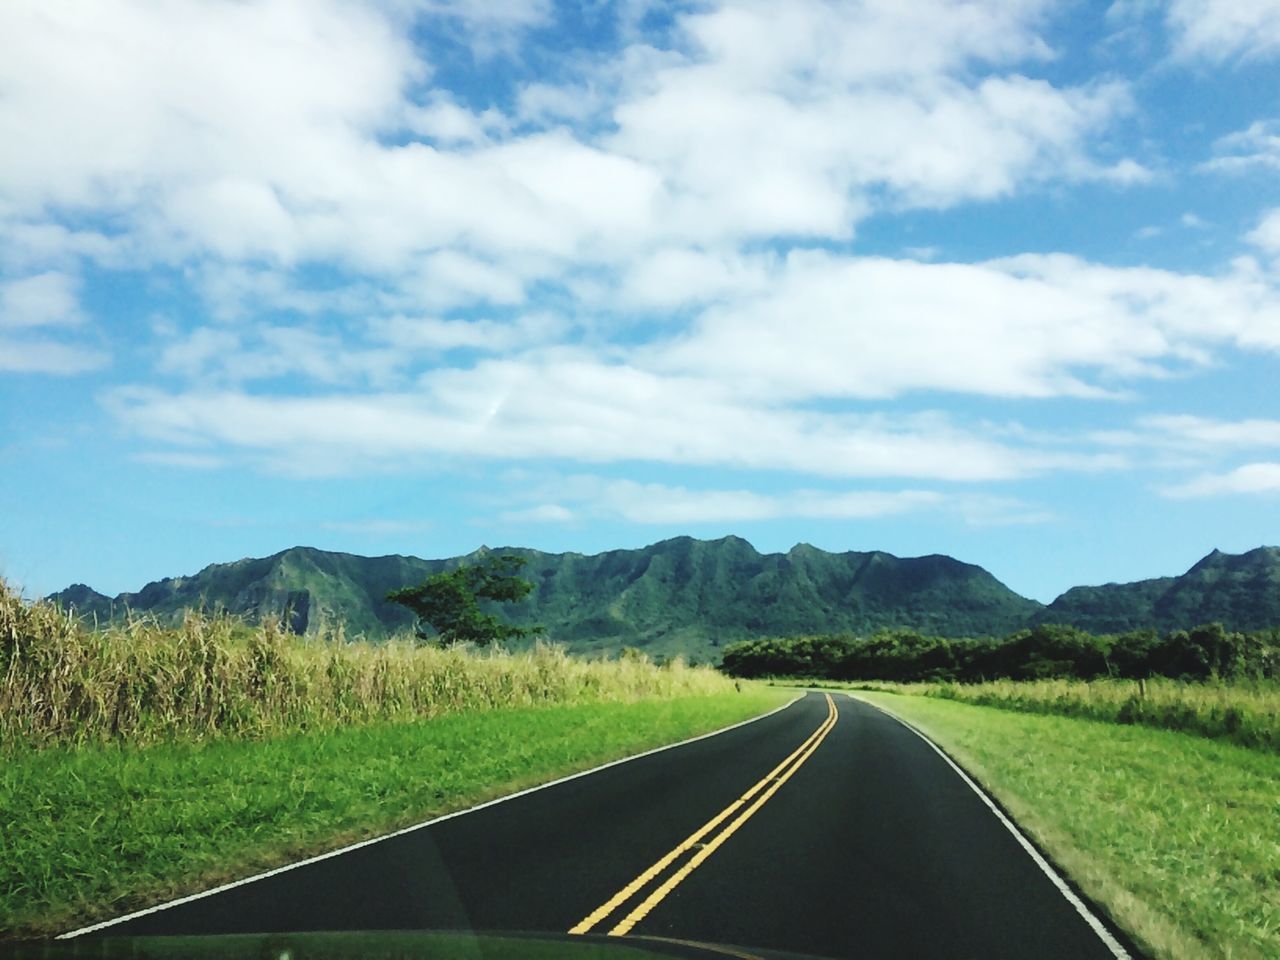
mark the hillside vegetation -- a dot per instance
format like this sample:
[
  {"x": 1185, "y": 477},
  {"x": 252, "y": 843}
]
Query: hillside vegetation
[
  {"x": 1240, "y": 591},
  {"x": 680, "y": 596},
  {"x": 691, "y": 597}
]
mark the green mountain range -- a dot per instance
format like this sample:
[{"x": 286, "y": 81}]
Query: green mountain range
[
  {"x": 1240, "y": 591},
  {"x": 691, "y": 596}
]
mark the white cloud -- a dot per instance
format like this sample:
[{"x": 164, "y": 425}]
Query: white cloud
[
  {"x": 448, "y": 278},
  {"x": 435, "y": 335},
  {"x": 542, "y": 513},
  {"x": 1255, "y": 148},
  {"x": 491, "y": 27},
  {"x": 587, "y": 497},
  {"x": 1220, "y": 30},
  {"x": 106, "y": 102},
  {"x": 221, "y": 355},
  {"x": 44, "y": 300},
  {"x": 33, "y": 311},
  {"x": 34, "y": 246},
  {"x": 676, "y": 277},
  {"x": 853, "y": 102},
  {"x": 19, "y": 355},
  {"x": 760, "y": 378},
  {"x": 1031, "y": 326},
  {"x": 1266, "y": 234},
  {"x": 445, "y": 121},
  {"x": 269, "y": 132},
  {"x": 236, "y": 293},
  {"x": 1205, "y": 432},
  {"x": 1250, "y": 479},
  {"x": 658, "y": 503},
  {"x": 576, "y": 409}
]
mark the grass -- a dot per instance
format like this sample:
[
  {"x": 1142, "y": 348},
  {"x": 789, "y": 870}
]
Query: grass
[
  {"x": 97, "y": 830},
  {"x": 64, "y": 683},
  {"x": 1245, "y": 713},
  {"x": 1177, "y": 836}
]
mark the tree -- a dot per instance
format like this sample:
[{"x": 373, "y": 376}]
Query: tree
[{"x": 450, "y": 602}]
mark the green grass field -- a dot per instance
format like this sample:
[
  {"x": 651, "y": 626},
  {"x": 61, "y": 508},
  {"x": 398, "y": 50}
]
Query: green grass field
[
  {"x": 1177, "y": 836},
  {"x": 97, "y": 830},
  {"x": 1246, "y": 713}
]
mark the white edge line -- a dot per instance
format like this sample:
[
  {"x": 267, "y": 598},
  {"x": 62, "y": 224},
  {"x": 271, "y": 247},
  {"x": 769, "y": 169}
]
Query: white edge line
[
  {"x": 417, "y": 826},
  {"x": 1098, "y": 927}
]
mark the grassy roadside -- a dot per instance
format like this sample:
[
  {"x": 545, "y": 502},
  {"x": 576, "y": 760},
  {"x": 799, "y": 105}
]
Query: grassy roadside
[
  {"x": 1175, "y": 835},
  {"x": 63, "y": 683},
  {"x": 1244, "y": 712},
  {"x": 98, "y": 830}
]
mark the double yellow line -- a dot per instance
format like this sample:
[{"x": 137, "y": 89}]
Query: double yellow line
[{"x": 768, "y": 785}]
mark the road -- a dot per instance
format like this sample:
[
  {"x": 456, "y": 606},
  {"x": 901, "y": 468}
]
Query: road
[{"x": 827, "y": 828}]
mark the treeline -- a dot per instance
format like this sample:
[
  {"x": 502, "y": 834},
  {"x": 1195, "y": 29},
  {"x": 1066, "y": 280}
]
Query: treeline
[{"x": 1042, "y": 652}]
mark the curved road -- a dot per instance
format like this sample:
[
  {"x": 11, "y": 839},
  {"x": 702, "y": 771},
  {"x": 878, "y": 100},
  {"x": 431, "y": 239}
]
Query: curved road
[{"x": 827, "y": 828}]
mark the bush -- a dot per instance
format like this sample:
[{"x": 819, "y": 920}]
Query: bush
[{"x": 1044, "y": 652}]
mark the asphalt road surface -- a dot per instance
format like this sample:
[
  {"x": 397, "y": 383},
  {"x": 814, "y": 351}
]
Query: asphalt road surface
[{"x": 827, "y": 828}]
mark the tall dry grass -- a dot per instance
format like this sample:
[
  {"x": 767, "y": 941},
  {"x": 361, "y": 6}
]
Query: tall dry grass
[
  {"x": 62, "y": 682},
  {"x": 1243, "y": 713}
]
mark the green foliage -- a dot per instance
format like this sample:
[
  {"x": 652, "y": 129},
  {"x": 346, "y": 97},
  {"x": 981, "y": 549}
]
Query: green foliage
[
  {"x": 1041, "y": 652},
  {"x": 449, "y": 601},
  {"x": 687, "y": 597},
  {"x": 1241, "y": 591},
  {"x": 679, "y": 597}
]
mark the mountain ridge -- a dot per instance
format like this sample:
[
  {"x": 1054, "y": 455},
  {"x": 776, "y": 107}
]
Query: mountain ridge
[{"x": 689, "y": 596}]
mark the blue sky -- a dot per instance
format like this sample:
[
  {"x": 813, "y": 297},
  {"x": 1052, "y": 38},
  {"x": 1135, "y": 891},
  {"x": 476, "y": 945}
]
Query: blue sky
[{"x": 998, "y": 279}]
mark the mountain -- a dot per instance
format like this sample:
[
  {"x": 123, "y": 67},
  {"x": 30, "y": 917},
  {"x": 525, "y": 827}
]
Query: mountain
[
  {"x": 692, "y": 596},
  {"x": 315, "y": 587},
  {"x": 678, "y": 596},
  {"x": 1240, "y": 591}
]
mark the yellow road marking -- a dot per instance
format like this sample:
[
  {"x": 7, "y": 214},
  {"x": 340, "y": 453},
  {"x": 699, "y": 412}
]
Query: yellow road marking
[
  {"x": 774, "y": 776},
  {"x": 692, "y": 840}
]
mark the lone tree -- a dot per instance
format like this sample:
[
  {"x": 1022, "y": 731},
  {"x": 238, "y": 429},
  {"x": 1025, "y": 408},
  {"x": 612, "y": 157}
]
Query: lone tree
[{"x": 450, "y": 601}]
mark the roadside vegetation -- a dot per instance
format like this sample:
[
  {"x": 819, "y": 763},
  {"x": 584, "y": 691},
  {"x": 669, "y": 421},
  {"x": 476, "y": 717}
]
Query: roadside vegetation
[
  {"x": 62, "y": 682},
  {"x": 1174, "y": 835},
  {"x": 1207, "y": 681},
  {"x": 139, "y": 763},
  {"x": 1046, "y": 651},
  {"x": 1246, "y": 713}
]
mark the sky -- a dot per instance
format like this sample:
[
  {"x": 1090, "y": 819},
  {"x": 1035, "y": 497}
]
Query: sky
[{"x": 998, "y": 279}]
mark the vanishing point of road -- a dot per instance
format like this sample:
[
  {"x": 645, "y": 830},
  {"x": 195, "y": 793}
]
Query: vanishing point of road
[{"x": 826, "y": 828}]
